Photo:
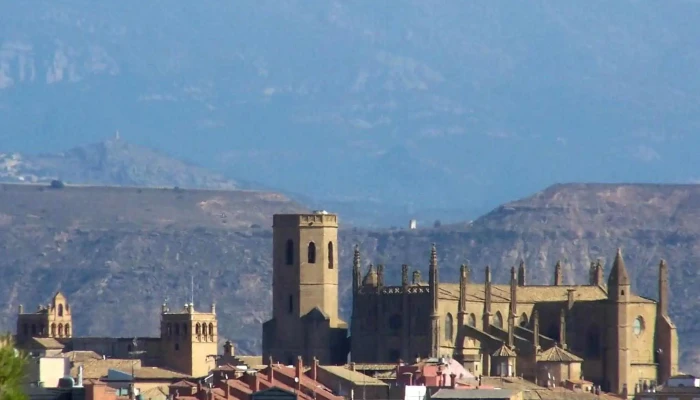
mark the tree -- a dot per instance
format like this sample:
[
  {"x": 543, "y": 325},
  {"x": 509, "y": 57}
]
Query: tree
[{"x": 12, "y": 370}]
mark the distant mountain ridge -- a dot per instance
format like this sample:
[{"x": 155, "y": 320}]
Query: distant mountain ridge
[{"x": 113, "y": 162}]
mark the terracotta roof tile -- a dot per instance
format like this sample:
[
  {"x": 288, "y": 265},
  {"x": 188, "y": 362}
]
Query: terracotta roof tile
[
  {"x": 557, "y": 354},
  {"x": 95, "y": 369},
  {"x": 504, "y": 351},
  {"x": 355, "y": 377},
  {"x": 47, "y": 343}
]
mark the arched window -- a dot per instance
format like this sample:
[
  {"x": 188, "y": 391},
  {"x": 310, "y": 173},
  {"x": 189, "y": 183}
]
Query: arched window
[
  {"x": 60, "y": 329},
  {"x": 638, "y": 326},
  {"x": 523, "y": 320},
  {"x": 593, "y": 349},
  {"x": 291, "y": 304},
  {"x": 211, "y": 330},
  {"x": 67, "y": 330},
  {"x": 169, "y": 329},
  {"x": 196, "y": 329},
  {"x": 448, "y": 327},
  {"x": 60, "y": 310},
  {"x": 53, "y": 329},
  {"x": 311, "y": 255},
  {"x": 289, "y": 252},
  {"x": 330, "y": 255},
  {"x": 498, "y": 320},
  {"x": 472, "y": 320}
]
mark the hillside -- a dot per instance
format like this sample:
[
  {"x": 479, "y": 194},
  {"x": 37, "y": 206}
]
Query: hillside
[
  {"x": 478, "y": 101},
  {"x": 117, "y": 272},
  {"x": 110, "y": 162}
]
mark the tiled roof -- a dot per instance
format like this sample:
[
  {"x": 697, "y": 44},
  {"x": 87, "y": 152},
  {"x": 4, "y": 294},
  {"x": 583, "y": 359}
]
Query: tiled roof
[
  {"x": 184, "y": 383},
  {"x": 155, "y": 373},
  {"x": 81, "y": 355},
  {"x": 251, "y": 361},
  {"x": 504, "y": 351},
  {"x": 557, "y": 354},
  {"x": 95, "y": 369},
  {"x": 47, "y": 343},
  {"x": 375, "y": 367},
  {"x": 155, "y": 393},
  {"x": 355, "y": 377},
  {"x": 473, "y": 394}
]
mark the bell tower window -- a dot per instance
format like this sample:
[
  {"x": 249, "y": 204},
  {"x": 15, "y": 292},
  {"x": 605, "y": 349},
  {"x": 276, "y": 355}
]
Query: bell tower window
[
  {"x": 289, "y": 252},
  {"x": 311, "y": 253},
  {"x": 60, "y": 310},
  {"x": 330, "y": 255}
]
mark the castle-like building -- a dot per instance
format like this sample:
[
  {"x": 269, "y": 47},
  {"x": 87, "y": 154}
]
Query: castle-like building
[
  {"x": 187, "y": 341},
  {"x": 601, "y": 331}
]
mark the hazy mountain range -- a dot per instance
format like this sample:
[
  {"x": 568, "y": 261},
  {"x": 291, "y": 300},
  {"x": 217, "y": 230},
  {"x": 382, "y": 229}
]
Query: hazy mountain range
[{"x": 447, "y": 105}]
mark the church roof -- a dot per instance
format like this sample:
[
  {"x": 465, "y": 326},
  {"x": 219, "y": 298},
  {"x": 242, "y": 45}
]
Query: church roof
[
  {"x": 557, "y": 354},
  {"x": 504, "y": 351},
  {"x": 530, "y": 293}
]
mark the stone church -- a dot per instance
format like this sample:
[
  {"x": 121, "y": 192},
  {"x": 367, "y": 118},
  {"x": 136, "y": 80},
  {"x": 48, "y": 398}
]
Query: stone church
[
  {"x": 188, "y": 338},
  {"x": 600, "y": 331}
]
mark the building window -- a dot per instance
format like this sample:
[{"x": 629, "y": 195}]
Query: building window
[
  {"x": 472, "y": 320},
  {"x": 498, "y": 320},
  {"x": 169, "y": 330},
  {"x": 184, "y": 329},
  {"x": 523, "y": 320},
  {"x": 177, "y": 329},
  {"x": 60, "y": 329},
  {"x": 289, "y": 252},
  {"x": 330, "y": 255},
  {"x": 638, "y": 326},
  {"x": 60, "y": 310},
  {"x": 67, "y": 330},
  {"x": 291, "y": 304},
  {"x": 211, "y": 330},
  {"x": 311, "y": 254},
  {"x": 196, "y": 329},
  {"x": 448, "y": 327}
]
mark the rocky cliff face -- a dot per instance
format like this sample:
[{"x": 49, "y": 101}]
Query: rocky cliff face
[{"x": 116, "y": 273}]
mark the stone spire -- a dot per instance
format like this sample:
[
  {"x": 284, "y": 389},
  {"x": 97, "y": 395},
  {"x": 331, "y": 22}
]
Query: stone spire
[
  {"x": 558, "y": 278},
  {"x": 511, "y": 326},
  {"x": 618, "y": 273},
  {"x": 463, "y": 281},
  {"x": 380, "y": 275},
  {"x": 521, "y": 274},
  {"x": 487, "y": 300},
  {"x": 434, "y": 315},
  {"x": 370, "y": 278},
  {"x": 536, "y": 330},
  {"x": 513, "y": 292},
  {"x": 356, "y": 270},
  {"x": 562, "y": 328},
  {"x": 662, "y": 305},
  {"x": 404, "y": 275}
]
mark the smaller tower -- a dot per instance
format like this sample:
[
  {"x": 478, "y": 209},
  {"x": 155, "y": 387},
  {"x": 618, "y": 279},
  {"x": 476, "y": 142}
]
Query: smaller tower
[
  {"x": 486, "y": 322},
  {"x": 618, "y": 357},
  {"x": 189, "y": 340},
  {"x": 356, "y": 270},
  {"x": 513, "y": 293},
  {"x": 53, "y": 320},
  {"x": 558, "y": 279},
  {"x": 521, "y": 274}
]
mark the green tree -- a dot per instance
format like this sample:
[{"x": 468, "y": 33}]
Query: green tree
[{"x": 12, "y": 370}]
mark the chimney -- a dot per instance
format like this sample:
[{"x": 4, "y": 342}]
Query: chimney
[
  {"x": 453, "y": 380},
  {"x": 314, "y": 369},
  {"x": 213, "y": 308},
  {"x": 80, "y": 376},
  {"x": 299, "y": 372},
  {"x": 272, "y": 371},
  {"x": 21, "y": 309},
  {"x": 164, "y": 308},
  {"x": 352, "y": 366}
]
